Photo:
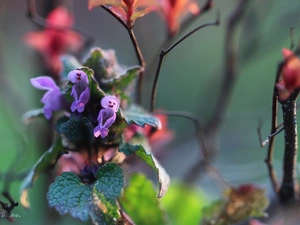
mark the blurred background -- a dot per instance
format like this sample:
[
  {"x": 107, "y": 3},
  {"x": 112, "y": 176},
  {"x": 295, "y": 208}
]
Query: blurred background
[{"x": 190, "y": 79}]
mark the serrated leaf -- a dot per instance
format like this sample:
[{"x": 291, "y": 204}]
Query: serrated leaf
[
  {"x": 140, "y": 202},
  {"x": 191, "y": 200},
  {"x": 110, "y": 181},
  {"x": 76, "y": 128},
  {"x": 31, "y": 115},
  {"x": 95, "y": 61},
  {"x": 147, "y": 157},
  {"x": 98, "y": 200},
  {"x": 122, "y": 82},
  {"x": 69, "y": 63},
  {"x": 239, "y": 204},
  {"x": 47, "y": 160},
  {"x": 139, "y": 116}
]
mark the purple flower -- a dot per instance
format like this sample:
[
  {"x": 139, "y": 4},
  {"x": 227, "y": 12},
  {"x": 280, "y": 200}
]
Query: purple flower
[
  {"x": 52, "y": 99},
  {"x": 80, "y": 90},
  {"x": 107, "y": 116}
]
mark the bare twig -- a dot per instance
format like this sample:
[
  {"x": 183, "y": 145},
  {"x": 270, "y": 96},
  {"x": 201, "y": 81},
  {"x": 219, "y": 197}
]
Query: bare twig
[
  {"x": 169, "y": 40},
  {"x": 230, "y": 73},
  {"x": 8, "y": 207},
  {"x": 136, "y": 48},
  {"x": 205, "y": 163},
  {"x": 164, "y": 52},
  {"x": 40, "y": 21},
  {"x": 264, "y": 142},
  {"x": 292, "y": 36}
]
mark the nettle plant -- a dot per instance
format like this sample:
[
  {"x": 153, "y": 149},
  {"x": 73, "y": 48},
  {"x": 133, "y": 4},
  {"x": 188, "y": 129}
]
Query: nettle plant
[{"x": 94, "y": 106}]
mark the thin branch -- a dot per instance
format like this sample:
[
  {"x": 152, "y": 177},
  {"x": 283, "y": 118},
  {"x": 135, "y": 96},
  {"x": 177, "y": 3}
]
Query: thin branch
[
  {"x": 292, "y": 36},
  {"x": 8, "y": 207},
  {"x": 193, "y": 173},
  {"x": 264, "y": 142},
  {"x": 168, "y": 41},
  {"x": 230, "y": 70},
  {"x": 40, "y": 21},
  {"x": 164, "y": 52},
  {"x": 137, "y": 50}
]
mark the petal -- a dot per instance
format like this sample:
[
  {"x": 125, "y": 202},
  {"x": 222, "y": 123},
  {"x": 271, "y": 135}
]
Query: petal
[
  {"x": 110, "y": 121},
  {"x": 85, "y": 96},
  {"x": 60, "y": 17},
  {"x": 111, "y": 102},
  {"x": 38, "y": 40},
  {"x": 73, "y": 40},
  {"x": 47, "y": 112},
  {"x": 287, "y": 53},
  {"x": 76, "y": 76},
  {"x": 44, "y": 83},
  {"x": 97, "y": 131}
]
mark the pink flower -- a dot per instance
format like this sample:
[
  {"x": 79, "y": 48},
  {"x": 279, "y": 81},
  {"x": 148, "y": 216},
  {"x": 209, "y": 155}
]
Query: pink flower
[
  {"x": 51, "y": 43},
  {"x": 290, "y": 75},
  {"x": 175, "y": 10},
  {"x": 127, "y": 10}
]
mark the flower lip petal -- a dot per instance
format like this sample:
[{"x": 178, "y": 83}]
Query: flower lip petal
[{"x": 44, "y": 83}]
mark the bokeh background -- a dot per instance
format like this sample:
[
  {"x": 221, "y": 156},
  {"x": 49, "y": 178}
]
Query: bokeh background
[{"x": 190, "y": 79}]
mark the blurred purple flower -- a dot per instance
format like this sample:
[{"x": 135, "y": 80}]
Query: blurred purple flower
[
  {"x": 52, "y": 99},
  {"x": 80, "y": 90}
]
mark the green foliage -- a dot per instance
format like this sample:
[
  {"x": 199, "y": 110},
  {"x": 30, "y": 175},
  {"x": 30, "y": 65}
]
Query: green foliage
[
  {"x": 139, "y": 116},
  {"x": 183, "y": 204},
  {"x": 140, "y": 202},
  {"x": 32, "y": 114},
  {"x": 147, "y": 157},
  {"x": 69, "y": 63},
  {"x": 98, "y": 200},
  {"x": 96, "y": 61},
  {"x": 239, "y": 204},
  {"x": 120, "y": 83},
  {"x": 47, "y": 160},
  {"x": 76, "y": 129}
]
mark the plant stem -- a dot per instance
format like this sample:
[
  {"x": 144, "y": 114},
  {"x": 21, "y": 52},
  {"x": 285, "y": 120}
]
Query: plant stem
[
  {"x": 137, "y": 49},
  {"x": 287, "y": 189},
  {"x": 164, "y": 52}
]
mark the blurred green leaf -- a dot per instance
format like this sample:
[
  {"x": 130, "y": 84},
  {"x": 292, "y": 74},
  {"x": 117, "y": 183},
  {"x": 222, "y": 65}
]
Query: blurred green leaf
[
  {"x": 239, "y": 204},
  {"x": 191, "y": 202},
  {"x": 122, "y": 82},
  {"x": 140, "y": 202},
  {"x": 69, "y": 63},
  {"x": 69, "y": 195},
  {"x": 77, "y": 129},
  {"x": 95, "y": 61},
  {"x": 32, "y": 114},
  {"x": 47, "y": 160},
  {"x": 147, "y": 157},
  {"x": 139, "y": 116}
]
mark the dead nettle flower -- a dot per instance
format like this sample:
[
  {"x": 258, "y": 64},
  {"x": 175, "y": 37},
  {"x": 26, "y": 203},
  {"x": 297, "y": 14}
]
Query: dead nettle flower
[
  {"x": 174, "y": 11},
  {"x": 53, "y": 99},
  {"x": 290, "y": 75},
  {"x": 55, "y": 39},
  {"x": 80, "y": 90},
  {"x": 127, "y": 10},
  {"x": 107, "y": 115}
]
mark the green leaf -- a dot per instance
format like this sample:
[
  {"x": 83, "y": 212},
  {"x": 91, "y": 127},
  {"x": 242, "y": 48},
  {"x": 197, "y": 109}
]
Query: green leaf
[
  {"x": 140, "y": 202},
  {"x": 69, "y": 63},
  {"x": 47, "y": 160},
  {"x": 98, "y": 200},
  {"x": 139, "y": 116},
  {"x": 96, "y": 61},
  {"x": 77, "y": 129},
  {"x": 191, "y": 199},
  {"x": 122, "y": 82},
  {"x": 239, "y": 204},
  {"x": 32, "y": 114},
  {"x": 147, "y": 157}
]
